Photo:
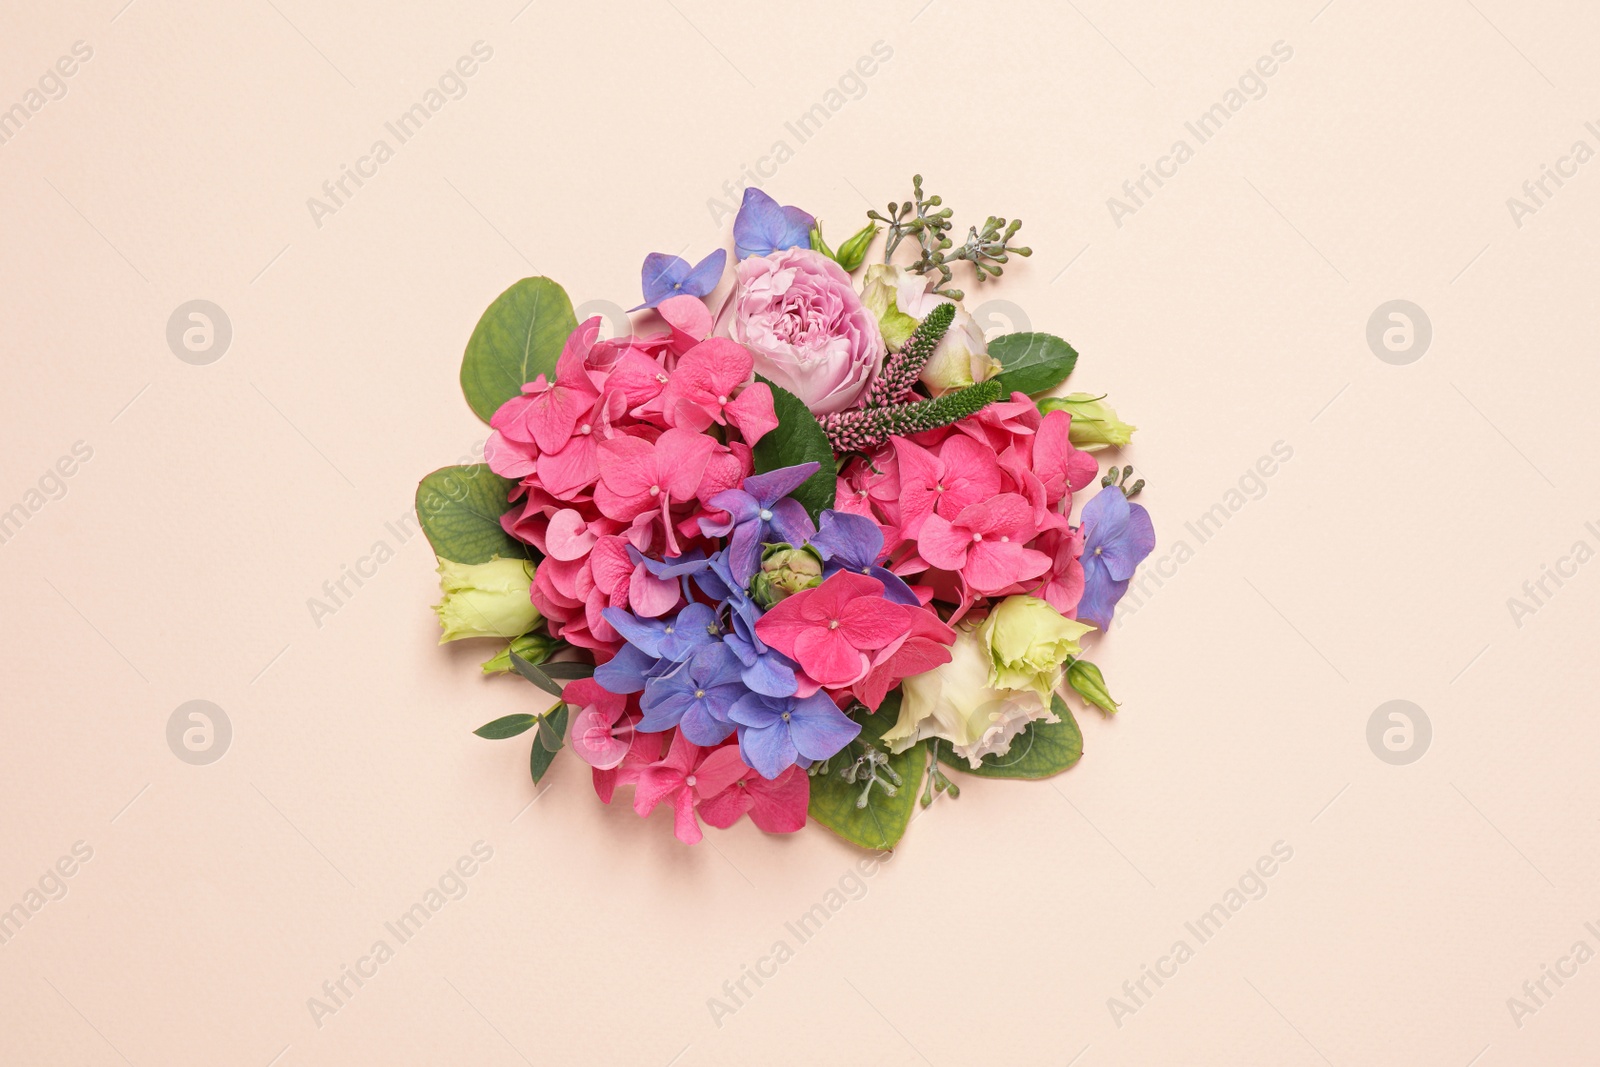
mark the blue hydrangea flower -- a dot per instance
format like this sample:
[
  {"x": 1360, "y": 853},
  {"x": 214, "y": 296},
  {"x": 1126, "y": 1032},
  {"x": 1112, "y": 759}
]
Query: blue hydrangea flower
[
  {"x": 760, "y": 513},
  {"x": 1117, "y": 535},
  {"x": 695, "y": 696},
  {"x": 855, "y": 543},
  {"x": 776, "y": 732},
  {"x": 762, "y": 227},
  {"x": 666, "y": 276}
]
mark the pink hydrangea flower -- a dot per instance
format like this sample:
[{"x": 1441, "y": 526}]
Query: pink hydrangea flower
[
  {"x": 985, "y": 543},
  {"x": 686, "y": 777},
  {"x": 776, "y": 806},
  {"x": 830, "y": 629}
]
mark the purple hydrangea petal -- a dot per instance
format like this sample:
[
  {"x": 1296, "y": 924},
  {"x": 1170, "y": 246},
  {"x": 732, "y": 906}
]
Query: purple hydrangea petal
[
  {"x": 790, "y": 522},
  {"x": 854, "y": 541},
  {"x": 763, "y": 227},
  {"x": 767, "y": 749},
  {"x": 818, "y": 728},
  {"x": 768, "y": 488}
]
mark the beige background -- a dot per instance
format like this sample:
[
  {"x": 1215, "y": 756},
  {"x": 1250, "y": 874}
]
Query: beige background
[{"x": 1225, "y": 315}]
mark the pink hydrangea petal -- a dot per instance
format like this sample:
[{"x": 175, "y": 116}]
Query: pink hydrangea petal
[
  {"x": 942, "y": 544},
  {"x": 752, "y": 413},
  {"x": 568, "y": 537}
]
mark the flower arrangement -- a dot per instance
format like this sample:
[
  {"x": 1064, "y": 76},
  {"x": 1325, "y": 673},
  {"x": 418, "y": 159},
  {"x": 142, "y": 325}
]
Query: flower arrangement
[{"x": 798, "y": 555}]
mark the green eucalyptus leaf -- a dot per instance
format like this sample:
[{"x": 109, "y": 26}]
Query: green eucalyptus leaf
[
  {"x": 460, "y": 509},
  {"x": 518, "y": 338},
  {"x": 535, "y": 674},
  {"x": 1032, "y": 363},
  {"x": 552, "y": 728},
  {"x": 1039, "y": 751},
  {"x": 798, "y": 438},
  {"x": 507, "y": 726},
  {"x": 883, "y": 821}
]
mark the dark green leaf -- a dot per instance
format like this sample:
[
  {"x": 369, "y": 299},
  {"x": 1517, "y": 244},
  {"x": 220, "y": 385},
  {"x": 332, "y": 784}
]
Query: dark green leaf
[
  {"x": 1041, "y": 750},
  {"x": 552, "y": 728},
  {"x": 798, "y": 438},
  {"x": 534, "y": 674},
  {"x": 567, "y": 669},
  {"x": 518, "y": 338},
  {"x": 506, "y": 726},
  {"x": 1033, "y": 363},
  {"x": 882, "y": 822},
  {"x": 460, "y": 509}
]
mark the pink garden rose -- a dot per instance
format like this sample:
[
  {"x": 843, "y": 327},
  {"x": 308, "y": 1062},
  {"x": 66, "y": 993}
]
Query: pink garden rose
[{"x": 799, "y": 315}]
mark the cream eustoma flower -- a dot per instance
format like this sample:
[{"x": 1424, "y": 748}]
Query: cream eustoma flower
[
  {"x": 901, "y": 298},
  {"x": 1028, "y": 641},
  {"x": 486, "y": 599},
  {"x": 955, "y": 703}
]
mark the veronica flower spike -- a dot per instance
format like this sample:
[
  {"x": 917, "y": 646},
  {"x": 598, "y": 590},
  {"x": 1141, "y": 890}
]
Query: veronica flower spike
[
  {"x": 855, "y": 543},
  {"x": 761, "y": 513}
]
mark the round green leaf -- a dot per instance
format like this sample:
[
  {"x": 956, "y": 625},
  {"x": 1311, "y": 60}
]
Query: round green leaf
[
  {"x": 1032, "y": 363},
  {"x": 460, "y": 509},
  {"x": 1041, "y": 750},
  {"x": 883, "y": 821},
  {"x": 518, "y": 338}
]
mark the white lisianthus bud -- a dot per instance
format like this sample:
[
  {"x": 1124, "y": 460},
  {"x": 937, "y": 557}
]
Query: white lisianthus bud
[{"x": 486, "y": 599}]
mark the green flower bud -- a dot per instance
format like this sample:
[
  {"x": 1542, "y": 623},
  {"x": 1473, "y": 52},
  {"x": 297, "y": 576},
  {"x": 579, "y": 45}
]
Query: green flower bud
[
  {"x": 819, "y": 245},
  {"x": 1029, "y": 642},
  {"x": 854, "y": 250},
  {"x": 1090, "y": 684},
  {"x": 785, "y": 570},
  {"x": 535, "y": 647},
  {"x": 486, "y": 599},
  {"x": 1094, "y": 424}
]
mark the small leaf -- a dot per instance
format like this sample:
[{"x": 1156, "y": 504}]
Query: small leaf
[
  {"x": 506, "y": 726},
  {"x": 535, "y": 675},
  {"x": 518, "y": 338},
  {"x": 883, "y": 821},
  {"x": 552, "y": 728},
  {"x": 567, "y": 669},
  {"x": 460, "y": 509},
  {"x": 1039, "y": 751},
  {"x": 1032, "y": 363},
  {"x": 798, "y": 438}
]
